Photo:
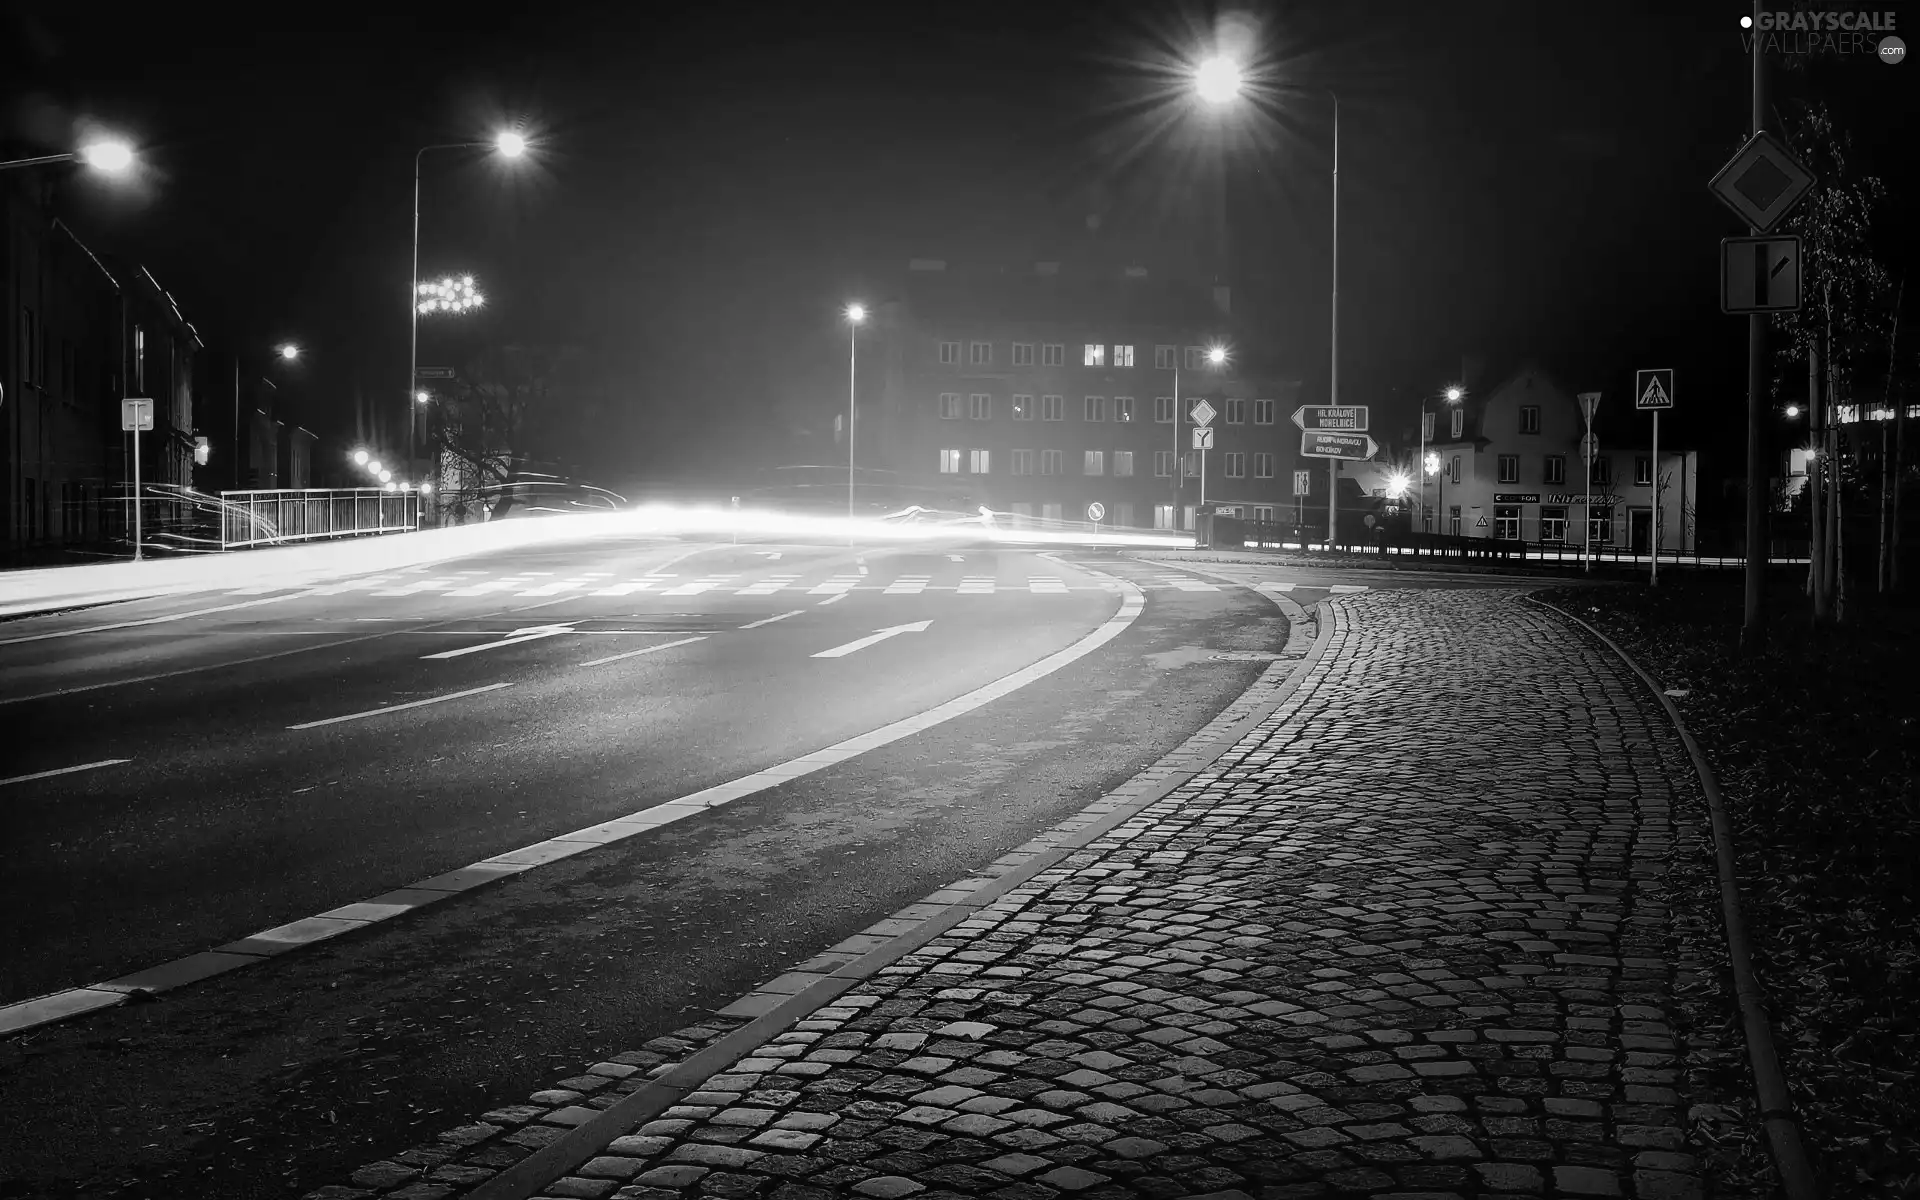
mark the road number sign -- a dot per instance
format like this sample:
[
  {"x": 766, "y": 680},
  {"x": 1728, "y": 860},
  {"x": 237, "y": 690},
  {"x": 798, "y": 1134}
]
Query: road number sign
[
  {"x": 1096, "y": 511},
  {"x": 1203, "y": 438},
  {"x": 1653, "y": 389},
  {"x": 136, "y": 414}
]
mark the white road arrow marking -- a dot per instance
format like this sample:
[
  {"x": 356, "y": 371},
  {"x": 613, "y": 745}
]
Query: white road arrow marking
[
  {"x": 878, "y": 635},
  {"x": 529, "y": 633},
  {"x": 956, "y": 558},
  {"x": 769, "y": 553}
]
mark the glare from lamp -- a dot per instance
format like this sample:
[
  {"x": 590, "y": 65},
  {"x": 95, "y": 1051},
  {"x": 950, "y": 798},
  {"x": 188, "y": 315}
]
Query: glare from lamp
[
  {"x": 1454, "y": 395},
  {"x": 1433, "y": 464},
  {"x": 1216, "y": 355},
  {"x": 1397, "y": 484},
  {"x": 1793, "y": 410},
  {"x": 360, "y": 458},
  {"x": 1217, "y": 80},
  {"x": 386, "y": 477},
  {"x": 110, "y": 156},
  {"x": 393, "y": 485},
  {"x": 373, "y": 467},
  {"x": 510, "y": 144},
  {"x": 426, "y": 489},
  {"x": 856, "y": 313},
  {"x": 288, "y": 351},
  {"x": 422, "y": 397}
]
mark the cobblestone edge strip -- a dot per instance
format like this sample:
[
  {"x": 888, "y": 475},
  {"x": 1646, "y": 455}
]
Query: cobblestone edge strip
[
  {"x": 1769, "y": 1080},
  {"x": 777, "y": 1004}
]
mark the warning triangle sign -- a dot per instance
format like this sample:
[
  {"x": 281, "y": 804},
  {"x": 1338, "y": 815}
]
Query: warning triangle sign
[{"x": 1482, "y": 522}]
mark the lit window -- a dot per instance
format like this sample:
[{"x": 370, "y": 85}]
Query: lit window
[
  {"x": 980, "y": 406},
  {"x": 1263, "y": 466},
  {"x": 1022, "y": 462},
  {"x": 1556, "y": 471},
  {"x": 1643, "y": 470},
  {"x": 1163, "y": 410},
  {"x": 1236, "y": 412},
  {"x": 1163, "y": 358},
  {"x": 980, "y": 461},
  {"x": 950, "y": 406},
  {"x": 950, "y": 462},
  {"x": 1023, "y": 354},
  {"x": 1453, "y": 519},
  {"x": 1530, "y": 418},
  {"x": 1096, "y": 408},
  {"x": 1236, "y": 465},
  {"x": 1023, "y": 408},
  {"x": 1123, "y": 408},
  {"x": 980, "y": 354},
  {"x": 1506, "y": 522},
  {"x": 1509, "y": 468},
  {"x": 1163, "y": 464},
  {"x": 1053, "y": 354},
  {"x": 1096, "y": 355},
  {"x": 1123, "y": 464},
  {"x": 1123, "y": 356},
  {"x": 1263, "y": 412},
  {"x": 1050, "y": 461},
  {"x": 949, "y": 354},
  {"x": 1052, "y": 408},
  {"x": 1094, "y": 463}
]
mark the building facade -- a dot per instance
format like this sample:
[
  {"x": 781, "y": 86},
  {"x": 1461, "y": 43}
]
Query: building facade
[
  {"x": 1511, "y": 466},
  {"x": 1037, "y": 393}
]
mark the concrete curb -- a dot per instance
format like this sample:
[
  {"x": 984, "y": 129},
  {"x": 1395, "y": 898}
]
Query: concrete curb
[
  {"x": 778, "y": 1005},
  {"x": 1769, "y": 1080}
]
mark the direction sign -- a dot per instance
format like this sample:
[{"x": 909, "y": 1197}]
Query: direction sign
[
  {"x": 1762, "y": 183},
  {"x": 1203, "y": 438},
  {"x": 434, "y": 373},
  {"x": 1096, "y": 511},
  {"x": 1759, "y": 274},
  {"x": 1653, "y": 389},
  {"x": 1203, "y": 413},
  {"x": 136, "y": 414},
  {"x": 1303, "y": 483},
  {"x": 1321, "y": 444},
  {"x": 1348, "y": 417}
]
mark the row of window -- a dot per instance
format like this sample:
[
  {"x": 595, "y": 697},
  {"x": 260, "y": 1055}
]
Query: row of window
[
  {"x": 1554, "y": 469},
  {"x": 978, "y": 406},
  {"x": 1054, "y": 354},
  {"x": 1529, "y": 421},
  {"x": 1553, "y": 523},
  {"x": 1096, "y": 462}
]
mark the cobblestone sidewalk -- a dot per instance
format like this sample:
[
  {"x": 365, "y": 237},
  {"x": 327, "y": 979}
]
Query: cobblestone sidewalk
[{"x": 1410, "y": 938}]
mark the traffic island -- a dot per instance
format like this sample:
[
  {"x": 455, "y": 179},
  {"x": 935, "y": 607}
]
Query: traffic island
[{"x": 1816, "y": 744}]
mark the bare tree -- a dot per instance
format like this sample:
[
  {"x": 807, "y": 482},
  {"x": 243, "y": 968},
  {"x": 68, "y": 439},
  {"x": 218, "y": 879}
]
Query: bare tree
[{"x": 508, "y": 407}]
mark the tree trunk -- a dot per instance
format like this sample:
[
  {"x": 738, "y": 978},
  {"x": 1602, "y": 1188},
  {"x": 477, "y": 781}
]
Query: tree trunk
[
  {"x": 1899, "y": 464},
  {"x": 1816, "y": 465},
  {"x": 1839, "y": 546}
]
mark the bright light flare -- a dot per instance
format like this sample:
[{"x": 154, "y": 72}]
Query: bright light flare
[
  {"x": 1455, "y": 394},
  {"x": 1433, "y": 464},
  {"x": 449, "y": 295},
  {"x": 110, "y": 156},
  {"x": 1398, "y": 483},
  {"x": 510, "y": 143},
  {"x": 1216, "y": 355},
  {"x": 856, "y": 313},
  {"x": 1218, "y": 80},
  {"x": 374, "y": 467},
  {"x": 360, "y": 457},
  {"x": 1793, "y": 410},
  {"x": 385, "y": 476},
  {"x": 422, "y": 397},
  {"x": 287, "y": 351}
]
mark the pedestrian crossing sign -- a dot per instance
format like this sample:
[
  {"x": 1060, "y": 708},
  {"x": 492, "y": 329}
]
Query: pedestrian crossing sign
[{"x": 1653, "y": 389}]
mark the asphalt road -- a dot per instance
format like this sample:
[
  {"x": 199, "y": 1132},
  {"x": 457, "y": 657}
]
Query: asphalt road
[{"x": 264, "y": 767}]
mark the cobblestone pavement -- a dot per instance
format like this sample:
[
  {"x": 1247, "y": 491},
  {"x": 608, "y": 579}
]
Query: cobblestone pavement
[{"x": 1409, "y": 938}]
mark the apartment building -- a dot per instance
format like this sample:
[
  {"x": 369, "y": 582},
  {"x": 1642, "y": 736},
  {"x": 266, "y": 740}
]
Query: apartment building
[{"x": 1039, "y": 391}]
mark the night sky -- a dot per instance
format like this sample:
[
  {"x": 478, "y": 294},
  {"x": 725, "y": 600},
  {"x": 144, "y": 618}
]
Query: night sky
[{"x": 1518, "y": 181}]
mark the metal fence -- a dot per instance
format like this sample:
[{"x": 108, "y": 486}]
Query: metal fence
[
  {"x": 1399, "y": 544},
  {"x": 265, "y": 518}
]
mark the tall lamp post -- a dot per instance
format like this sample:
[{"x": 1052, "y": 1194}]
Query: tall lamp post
[
  {"x": 1453, "y": 395},
  {"x": 1333, "y": 353},
  {"x": 856, "y": 313},
  {"x": 508, "y": 144}
]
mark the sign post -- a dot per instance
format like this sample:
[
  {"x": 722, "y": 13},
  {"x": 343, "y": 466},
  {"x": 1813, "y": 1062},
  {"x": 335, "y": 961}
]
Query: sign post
[
  {"x": 1095, "y": 511},
  {"x": 136, "y": 416},
  {"x": 1653, "y": 391},
  {"x": 1589, "y": 401},
  {"x": 1203, "y": 414}
]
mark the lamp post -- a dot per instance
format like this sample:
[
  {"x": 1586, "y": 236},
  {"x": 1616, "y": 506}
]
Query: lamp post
[
  {"x": 1333, "y": 354},
  {"x": 856, "y": 313},
  {"x": 509, "y": 145},
  {"x": 1218, "y": 82},
  {"x": 1453, "y": 395}
]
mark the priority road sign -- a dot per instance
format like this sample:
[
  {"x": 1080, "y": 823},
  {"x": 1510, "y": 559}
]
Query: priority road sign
[
  {"x": 1759, "y": 274},
  {"x": 1653, "y": 389},
  {"x": 1303, "y": 483},
  {"x": 1203, "y": 438},
  {"x": 1321, "y": 444},
  {"x": 1762, "y": 183},
  {"x": 1348, "y": 417},
  {"x": 1203, "y": 413},
  {"x": 1096, "y": 511},
  {"x": 136, "y": 414}
]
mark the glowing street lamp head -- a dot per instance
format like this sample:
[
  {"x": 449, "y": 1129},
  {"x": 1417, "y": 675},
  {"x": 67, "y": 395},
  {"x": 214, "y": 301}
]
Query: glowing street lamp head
[
  {"x": 422, "y": 397},
  {"x": 856, "y": 313},
  {"x": 386, "y": 477},
  {"x": 1455, "y": 394},
  {"x": 360, "y": 458},
  {"x": 373, "y": 467},
  {"x": 287, "y": 351},
  {"x": 510, "y": 144},
  {"x": 1433, "y": 464},
  {"x": 112, "y": 157},
  {"x": 1793, "y": 410},
  {"x": 1216, "y": 355},
  {"x": 393, "y": 485},
  {"x": 1217, "y": 81}
]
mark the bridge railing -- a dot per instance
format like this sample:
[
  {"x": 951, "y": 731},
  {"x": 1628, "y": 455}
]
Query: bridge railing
[{"x": 281, "y": 516}]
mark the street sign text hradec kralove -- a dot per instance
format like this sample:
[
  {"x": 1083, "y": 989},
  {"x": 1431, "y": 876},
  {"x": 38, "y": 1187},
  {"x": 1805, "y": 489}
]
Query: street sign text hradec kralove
[{"x": 1332, "y": 417}]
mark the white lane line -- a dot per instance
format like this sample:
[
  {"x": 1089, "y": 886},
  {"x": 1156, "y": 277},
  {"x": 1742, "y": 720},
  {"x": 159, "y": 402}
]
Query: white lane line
[
  {"x": 393, "y": 708},
  {"x": 830, "y": 600},
  {"x": 57, "y": 1006},
  {"x": 530, "y": 633},
  {"x": 1277, "y": 587},
  {"x": 594, "y": 662},
  {"x": 198, "y": 612},
  {"x": 770, "y": 620},
  {"x": 105, "y": 762},
  {"x": 877, "y": 636}
]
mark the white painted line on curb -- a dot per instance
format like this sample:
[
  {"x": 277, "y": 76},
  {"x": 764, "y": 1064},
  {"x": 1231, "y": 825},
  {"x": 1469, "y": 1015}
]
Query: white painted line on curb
[
  {"x": 643, "y": 650},
  {"x": 393, "y": 708},
  {"x": 271, "y": 942},
  {"x": 105, "y": 762},
  {"x": 770, "y": 620}
]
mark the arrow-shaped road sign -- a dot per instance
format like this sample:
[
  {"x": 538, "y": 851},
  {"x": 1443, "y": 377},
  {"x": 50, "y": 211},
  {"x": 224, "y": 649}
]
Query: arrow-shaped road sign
[
  {"x": 530, "y": 633},
  {"x": 1349, "y": 417},
  {"x": 878, "y": 635},
  {"x": 1319, "y": 444}
]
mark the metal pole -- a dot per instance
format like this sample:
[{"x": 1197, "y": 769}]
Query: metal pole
[
  {"x": 853, "y": 341},
  {"x": 1173, "y": 518},
  {"x": 1586, "y": 554},
  {"x": 1420, "y": 466},
  {"x": 236, "y": 420},
  {"x": 136, "y": 488},
  {"x": 1753, "y": 634},
  {"x": 1333, "y": 388},
  {"x": 1203, "y": 477},
  {"x": 1653, "y": 577},
  {"x": 413, "y": 319}
]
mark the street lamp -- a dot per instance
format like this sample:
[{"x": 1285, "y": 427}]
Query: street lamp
[
  {"x": 109, "y": 156},
  {"x": 422, "y": 397},
  {"x": 508, "y": 144},
  {"x": 1217, "y": 80},
  {"x": 1432, "y": 463},
  {"x": 856, "y": 315},
  {"x": 360, "y": 458},
  {"x": 449, "y": 295},
  {"x": 287, "y": 351},
  {"x": 1453, "y": 395}
]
